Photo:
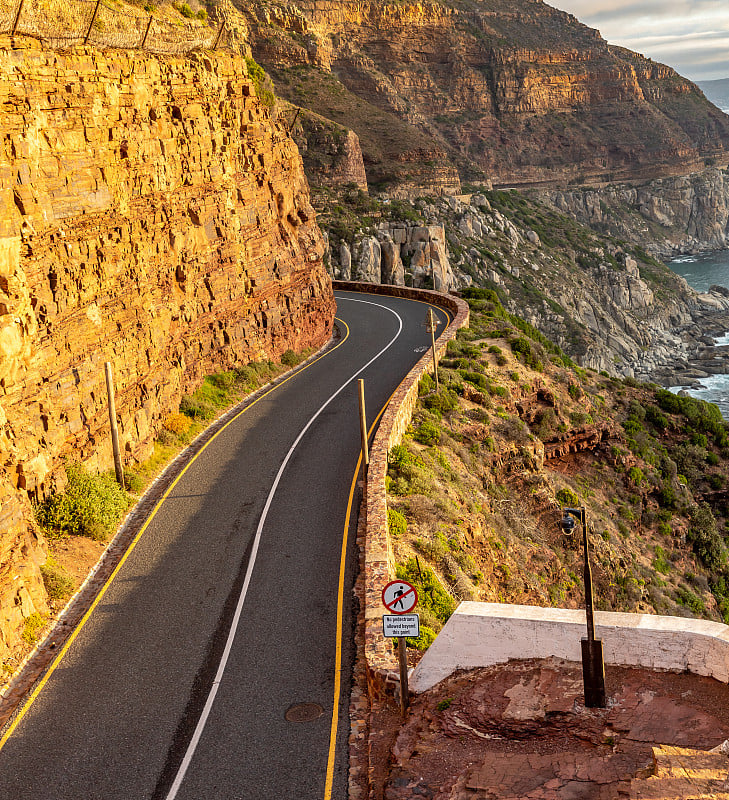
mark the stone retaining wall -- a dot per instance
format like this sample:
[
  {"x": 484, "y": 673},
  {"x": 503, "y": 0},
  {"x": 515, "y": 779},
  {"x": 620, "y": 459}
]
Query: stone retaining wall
[
  {"x": 482, "y": 634},
  {"x": 379, "y": 564}
]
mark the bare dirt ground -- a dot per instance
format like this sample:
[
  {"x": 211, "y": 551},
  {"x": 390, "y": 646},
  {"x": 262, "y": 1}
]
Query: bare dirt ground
[{"x": 521, "y": 731}]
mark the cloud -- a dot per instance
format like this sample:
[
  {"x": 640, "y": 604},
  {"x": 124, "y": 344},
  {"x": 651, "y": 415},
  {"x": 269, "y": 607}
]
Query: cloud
[{"x": 692, "y": 36}]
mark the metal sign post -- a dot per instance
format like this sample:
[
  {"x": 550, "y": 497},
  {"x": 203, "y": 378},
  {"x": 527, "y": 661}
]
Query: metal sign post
[{"x": 400, "y": 598}]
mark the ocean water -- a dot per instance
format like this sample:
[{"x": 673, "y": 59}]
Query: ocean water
[
  {"x": 701, "y": 272},
  {"x": 704, "y": 270}
]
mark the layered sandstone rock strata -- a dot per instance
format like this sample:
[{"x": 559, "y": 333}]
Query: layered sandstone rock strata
[
  {"x": 151, "y": 215},
  {"x": 513, "y": 89}
]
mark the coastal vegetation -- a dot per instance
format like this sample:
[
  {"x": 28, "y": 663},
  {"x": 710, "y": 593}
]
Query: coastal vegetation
[{"x": 516, "y": 432}]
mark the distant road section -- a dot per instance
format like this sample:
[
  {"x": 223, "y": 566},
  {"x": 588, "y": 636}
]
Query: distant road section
[{"x": 207, "y": 669}]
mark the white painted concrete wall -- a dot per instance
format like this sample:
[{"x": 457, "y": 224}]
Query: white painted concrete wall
[{"x": 482, "y": 634}]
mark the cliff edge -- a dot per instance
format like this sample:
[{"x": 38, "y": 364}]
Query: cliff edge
[
  {"x": 516, "y": 91},
  {"x": 153, "y": 215}
]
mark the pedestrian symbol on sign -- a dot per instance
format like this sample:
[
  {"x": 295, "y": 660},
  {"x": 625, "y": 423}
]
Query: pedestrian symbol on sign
[{"x": 399, "y": 597}]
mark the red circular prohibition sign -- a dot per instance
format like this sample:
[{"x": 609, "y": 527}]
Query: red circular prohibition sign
[{"x": 399, "y": 597}]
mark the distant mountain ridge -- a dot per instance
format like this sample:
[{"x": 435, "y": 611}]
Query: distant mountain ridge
[{"x": 511, "y": 90}]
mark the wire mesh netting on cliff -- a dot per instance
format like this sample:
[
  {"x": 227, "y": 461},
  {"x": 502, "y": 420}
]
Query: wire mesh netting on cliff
[{"x": 62, "y": 23}]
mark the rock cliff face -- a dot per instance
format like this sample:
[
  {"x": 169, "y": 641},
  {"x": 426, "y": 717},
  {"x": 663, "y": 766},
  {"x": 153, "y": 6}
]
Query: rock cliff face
[
  {"x": 514, "y": 90},
  {"x": 399, "y": 254},
  {"x": 684, "y": 214},
  {"x": 332, "y": 154},
  {"x": 151, "y": 215}
]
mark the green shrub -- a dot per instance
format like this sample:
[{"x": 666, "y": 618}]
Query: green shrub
[
  {"x": 426, "y": 384},
  {"x": 396, "y": 523},
  {"x": 56, "y": 580},
  {"x": 442, "y": 401},
  {"x": 424, "y": 640},
  {"x": 32, "y": 627},
  {"x": 686, "y": 597},
  {"x": 636, "y": 476},
  {"x": 705, "y": 538},
  {"x": 431, "y": 594},
  {"x": 133, "y": 482},
  {"x": 290, "y": 358},
  {"x": 666, "y": 495},
  {"x": 658, "y": 420},
  {"x": 660, "y": 562},
  {"x": 522, "y": 345},
  {"x": 427, "y": 433},
  {"x": 258, "y": 78},
  {"x": 90, "y": 506},
  {"x": 566, "y": 497},
  {"x": 398, "y": 456},
  {"x": 444, "y": 704}
]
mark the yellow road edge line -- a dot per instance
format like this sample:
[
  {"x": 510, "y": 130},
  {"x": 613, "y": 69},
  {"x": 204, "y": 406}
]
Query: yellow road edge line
[
  {"x": 340, "y": 590},
  {"x": 338, "y": 642},
  {"x": 340, "y": 613},
  {"x": 34, "y": 695}
]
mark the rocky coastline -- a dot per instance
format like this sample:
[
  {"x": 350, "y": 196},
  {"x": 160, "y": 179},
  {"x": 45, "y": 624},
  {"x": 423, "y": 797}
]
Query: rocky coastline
[
  {"x": 604, "y": 305},
  {"x": 693, "y": 354}
]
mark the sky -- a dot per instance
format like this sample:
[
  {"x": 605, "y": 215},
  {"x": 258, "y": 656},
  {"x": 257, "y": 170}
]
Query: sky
[{"x": 692, "y": 36}]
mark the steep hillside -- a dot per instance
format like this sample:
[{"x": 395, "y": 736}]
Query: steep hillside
[
  {"x": 516, "y": 433},
  {"x": 602, "y": 299},
  {"x": 151, "y": 215},
  {"x": 515, "y": 91}
]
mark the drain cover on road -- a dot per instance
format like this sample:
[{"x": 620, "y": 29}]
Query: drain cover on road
[{"x": 304, "y": 712}]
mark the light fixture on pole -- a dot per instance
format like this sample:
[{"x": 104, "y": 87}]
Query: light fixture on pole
[{"x": 593, "y": 666}]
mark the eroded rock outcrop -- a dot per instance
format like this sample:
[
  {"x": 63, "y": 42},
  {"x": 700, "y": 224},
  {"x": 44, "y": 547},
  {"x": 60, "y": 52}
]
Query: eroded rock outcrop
[
  {"x": 685, "y": 214},
  {"x": 151, "y": 215},
  {"x": 400, "y": 254}
]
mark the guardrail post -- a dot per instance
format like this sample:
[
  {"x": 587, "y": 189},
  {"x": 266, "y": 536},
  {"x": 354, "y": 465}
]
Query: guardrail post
[
  {"x": 93, "y": 20},
  {"x": 146, "y": 33},
  {"x": 17, "y": 18}
]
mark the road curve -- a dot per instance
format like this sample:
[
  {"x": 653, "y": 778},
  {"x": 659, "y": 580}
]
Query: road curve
[{"x": 223, "y": 616}]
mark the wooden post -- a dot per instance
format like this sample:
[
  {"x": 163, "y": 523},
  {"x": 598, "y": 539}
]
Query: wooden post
[
  {"x": 114, "y": 431},
  {"x": 93, "y": 20},
  {"x": 17, "y": 18},
  {"x": 220, "y": 34},
  {"x": 404, "y": 688},
  {"x": 432, "y": 325},
  {"x": 363, "y": 424},
  {"x": 146, "y": 33}
]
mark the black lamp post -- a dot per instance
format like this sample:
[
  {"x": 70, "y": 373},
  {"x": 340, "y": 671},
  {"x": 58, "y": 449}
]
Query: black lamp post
[{"x": 593, "y": 666}]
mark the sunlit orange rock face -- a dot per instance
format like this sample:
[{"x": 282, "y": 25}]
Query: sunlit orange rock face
[
  {"x": 152, "y": 215},
  {"x": 513, "y": 90}
]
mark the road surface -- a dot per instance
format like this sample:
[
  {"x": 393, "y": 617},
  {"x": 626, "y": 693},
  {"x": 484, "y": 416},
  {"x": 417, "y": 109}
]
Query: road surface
[{"x": 223, "y": 618}]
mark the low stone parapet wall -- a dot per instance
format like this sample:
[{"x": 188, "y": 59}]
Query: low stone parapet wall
[
  {"x": 483, "y": 634},
  {"x": 379, "y": 563}
]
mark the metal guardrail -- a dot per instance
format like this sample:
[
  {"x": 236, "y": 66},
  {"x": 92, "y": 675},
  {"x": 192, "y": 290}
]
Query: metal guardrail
[{"x": 64, "y": 23}]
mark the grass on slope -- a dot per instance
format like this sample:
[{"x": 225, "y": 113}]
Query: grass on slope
[{"x": 514, "y": 435}]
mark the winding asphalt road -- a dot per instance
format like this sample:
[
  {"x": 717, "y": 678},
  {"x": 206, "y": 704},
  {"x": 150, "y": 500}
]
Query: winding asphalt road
[{"x": 224, "y": 615}]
